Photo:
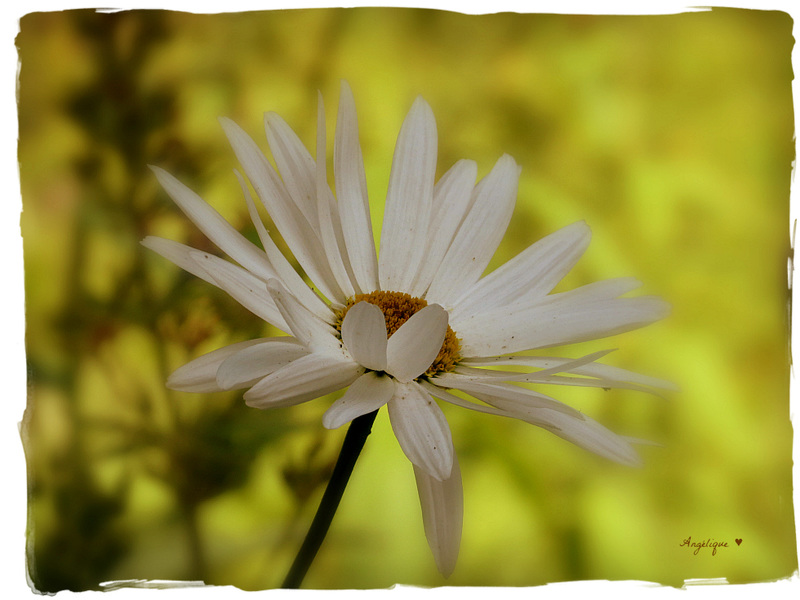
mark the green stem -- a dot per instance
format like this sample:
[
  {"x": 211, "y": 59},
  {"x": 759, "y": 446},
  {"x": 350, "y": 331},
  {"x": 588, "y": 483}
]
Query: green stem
[{"x": 357, "y": 434}]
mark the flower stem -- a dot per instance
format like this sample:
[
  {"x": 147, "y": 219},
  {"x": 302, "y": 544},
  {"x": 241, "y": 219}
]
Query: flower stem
[{"x": 354, "y": 440}]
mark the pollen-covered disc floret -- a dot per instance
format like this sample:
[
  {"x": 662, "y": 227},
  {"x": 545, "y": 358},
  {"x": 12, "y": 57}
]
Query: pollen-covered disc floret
[{"x": 397, "y": 308}]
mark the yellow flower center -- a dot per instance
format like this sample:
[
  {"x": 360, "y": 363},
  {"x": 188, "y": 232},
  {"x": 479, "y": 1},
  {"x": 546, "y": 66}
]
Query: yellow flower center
[{"x": 397, "y": 308}]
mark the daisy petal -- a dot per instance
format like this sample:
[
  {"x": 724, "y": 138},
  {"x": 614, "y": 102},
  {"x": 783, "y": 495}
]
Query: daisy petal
[
  {"x": 498, "y": 392},
  {"x": 200, "y": 375},
  {"x": 531, "y": 274},
  {"x": 351, "y": 191},
  {"x": 593, "y": 292},
  {"x": 563, "y": 321},
  {"x": 566, "y": 366},
  {"x": 301, "y": 236},
  {"x": 304, "y": 379},
  {"x": 451, "y": 201},
  {"x": 178, "y": 254},
  {"x": 364, "y": 335},
  {"x": 312, "y": 331},
  {"x": 576, "y": 428},
  {"x": 590, "y": 382},
  {"x": 414, "y": 346},
  {"x": 606, "y": 375},
  {"x": 215, "y": 227},
  {"x": 408, "y": 199},
  {"x": 442, "y": 394},
  {"x": 442, "y": 504},
  {"x": 609, "y": 372},
  {"x": 246, "y": 367},
  {"x": 328, "y": 214},
  {"x": 479, "y": 235},
  {"x": 589, "y": 435},
  {"x": 286, "y": 273},
  {"x": 294, "y": 164},
  {"x": 420, "y": 427},
  {"x": 366, "y": 394},
  {"x": 244, "y": 287}
]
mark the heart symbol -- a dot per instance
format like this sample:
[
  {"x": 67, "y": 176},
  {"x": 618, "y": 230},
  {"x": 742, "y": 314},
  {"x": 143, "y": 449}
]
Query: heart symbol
[{"x": 738, "y": 541}]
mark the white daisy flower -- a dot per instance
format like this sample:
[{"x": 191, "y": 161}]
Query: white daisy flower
[{"x": 407, "y": 326}]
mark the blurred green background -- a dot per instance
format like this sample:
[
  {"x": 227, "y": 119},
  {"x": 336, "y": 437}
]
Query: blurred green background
[{"x": 670, "y": 135}]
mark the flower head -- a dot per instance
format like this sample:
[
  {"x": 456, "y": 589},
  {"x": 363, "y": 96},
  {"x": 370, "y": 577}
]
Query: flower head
[{"x": 408, "y": 325}]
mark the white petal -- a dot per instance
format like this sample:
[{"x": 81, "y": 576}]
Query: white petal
[
  {"x": 605, "y": 289},
  {"x": 591, "y": 382},
  {"x": 178, "y": 254},
  {"x": 432, "y": 387},
  {"x": 364, "y": 335},
  {"x": 590, "y": 435},
  {"x": 246, "y": 367},
  {"x": 294, "y": 164},
  {"x": 566, "y": 321},
  {"x": 312, "y": 331},
  {"x": 531, "y": 274},
  {"x": 200, "y": 375},
  {"x": 608, "y": 372},
  {"x": 351, "y": 191},
  {"x": 301, "y": 237},
  {"x": 215, "y": 227},
  {"x": 304, "y": 379},
  {"x": 451, "y": 201},
  {"x": 420, "y": 427},
  {"x": 244, "y": 287},
  {"x": 442, "y": 504},
  {"x": 576, "y": 428},
  {"x": 479, "y": 235},
  {"x": 284, "y": 270},
  {"x": 495, "y": 393},
  {"x": 414, "y": 346},
  {"x": 566, "y": 366},
  {"x": 366, "y": 394},
  {"x": 328, "y": 214},
  {"x": 408, "y": 200},
  {"x": 605, "y": 376}
]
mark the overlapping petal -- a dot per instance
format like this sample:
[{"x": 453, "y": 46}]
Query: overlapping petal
[
  {"x": 304, "y": 379},
  {"x": 451, "y": 201},
  {"x": 367, "y": 393},
  {"x": 576, "y": 428},
  {"x": 247, "y": 289},
  {"x": 253, "y": 363},
  {"x": 313, "y": 332},
  {"x": 284, "y": 271},
  {"x": 558, "y": 321},
  {"x": 587, "y": 434},
  {"x": 295, "y": 166},
  {"x": 529, "y": 275},
  {"x": 421, "y": 428},
  {"x": 330, "y": 226},
  {"x": 408, "y": 199},
  {"x": 592, "y": 374},
  {"x": 492, "y": 392},
  {"x": 215, "y": 227},
  {"x": 351, "y": 192},
  {"x": 413, "y": 348},
  {"x": 301, "y": 235},
  {"x": 179, "y": 254},
  {"x": 479, "y": 234},
  {"x": 200, "y": 374},
  {"x": 364, "y": 335}
]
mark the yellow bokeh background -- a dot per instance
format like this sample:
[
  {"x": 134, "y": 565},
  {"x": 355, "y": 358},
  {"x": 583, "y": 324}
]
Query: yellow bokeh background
[{"x": 672, "y": 136}]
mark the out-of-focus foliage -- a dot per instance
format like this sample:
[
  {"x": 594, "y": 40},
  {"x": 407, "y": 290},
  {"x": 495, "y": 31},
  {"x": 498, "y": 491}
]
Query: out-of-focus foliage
[{"x": 670, "y": 135}]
